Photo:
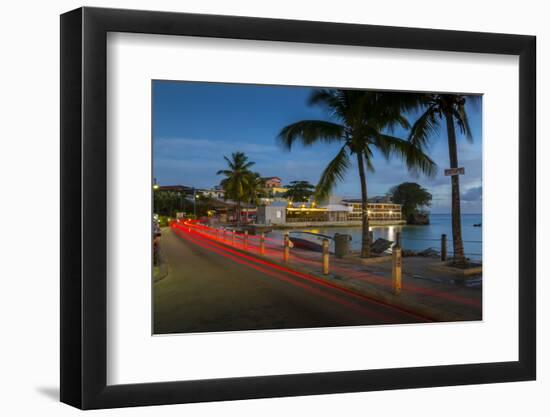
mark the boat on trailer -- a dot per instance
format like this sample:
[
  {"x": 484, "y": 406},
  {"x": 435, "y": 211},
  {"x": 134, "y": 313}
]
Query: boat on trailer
[{"x": 309, "y": 240}]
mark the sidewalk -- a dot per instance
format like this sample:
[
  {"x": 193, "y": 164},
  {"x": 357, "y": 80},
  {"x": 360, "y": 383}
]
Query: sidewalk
[{"x": 425, "y": 291}]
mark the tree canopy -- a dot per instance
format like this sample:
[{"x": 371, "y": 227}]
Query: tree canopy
[
  {"x": 360, "y": 122},
  {"x": 299, "y": 191},
  {"x": 412, "y": 196},
  {"x": 240, "y": 184}
]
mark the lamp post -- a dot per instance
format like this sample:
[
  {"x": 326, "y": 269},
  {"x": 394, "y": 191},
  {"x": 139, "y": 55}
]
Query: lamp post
[
  {"x": 155, "y": 188},
  {"x": 194, "y": 203}
]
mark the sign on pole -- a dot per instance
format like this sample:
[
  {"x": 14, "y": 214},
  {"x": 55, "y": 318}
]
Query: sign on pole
[{"x": 454, "y": 171}]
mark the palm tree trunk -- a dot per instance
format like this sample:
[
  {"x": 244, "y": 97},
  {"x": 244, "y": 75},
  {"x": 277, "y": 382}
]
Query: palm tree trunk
[
  {"x": 458, "y": 245},
  {"x": 365, "y": 243}
]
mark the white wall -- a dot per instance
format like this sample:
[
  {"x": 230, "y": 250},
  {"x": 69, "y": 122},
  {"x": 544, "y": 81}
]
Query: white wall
[{"x": 29, "y": 109}]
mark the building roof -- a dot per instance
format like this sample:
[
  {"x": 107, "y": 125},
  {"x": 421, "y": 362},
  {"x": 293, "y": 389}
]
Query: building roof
[
  {"x": 179, "y": 188},
  {"x": 373, "y": 200},
  {"x": 278, "y": 204},
  {"x": 337, "y": 207}
]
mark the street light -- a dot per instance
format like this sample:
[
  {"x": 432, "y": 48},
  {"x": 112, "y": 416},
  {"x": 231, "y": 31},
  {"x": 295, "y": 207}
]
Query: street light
[
  {"x": 194, "y": 203},
  {"x": 155, "y": 188}
]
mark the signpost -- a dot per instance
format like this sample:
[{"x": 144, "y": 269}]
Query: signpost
[{"x": 449, "y": 172}]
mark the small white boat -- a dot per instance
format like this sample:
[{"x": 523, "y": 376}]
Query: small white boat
[{"x": 309, "y": 240}]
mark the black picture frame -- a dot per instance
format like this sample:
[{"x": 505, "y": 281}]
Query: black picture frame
[{"x": 84, "y": 207}]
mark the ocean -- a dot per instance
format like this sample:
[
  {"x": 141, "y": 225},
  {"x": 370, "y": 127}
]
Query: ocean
[{"x": 417, "y": 238}]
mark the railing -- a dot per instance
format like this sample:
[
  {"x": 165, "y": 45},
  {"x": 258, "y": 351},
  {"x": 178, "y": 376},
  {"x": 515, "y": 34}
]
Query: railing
[
  {"x": 274, "y": 249},
  {"x": 259, "y": 244}
]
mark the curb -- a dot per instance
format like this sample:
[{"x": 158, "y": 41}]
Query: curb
[
  {"x": 163, "y": 273},
  {"x": 464, "y": 273}
]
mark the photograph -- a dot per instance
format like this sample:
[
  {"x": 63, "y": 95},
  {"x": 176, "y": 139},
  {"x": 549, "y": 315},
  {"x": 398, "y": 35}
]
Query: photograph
[{"x": 292, "y": 207}]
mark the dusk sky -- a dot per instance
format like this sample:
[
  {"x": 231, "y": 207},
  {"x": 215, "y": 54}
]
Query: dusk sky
[{"x": 196, "y": 124}]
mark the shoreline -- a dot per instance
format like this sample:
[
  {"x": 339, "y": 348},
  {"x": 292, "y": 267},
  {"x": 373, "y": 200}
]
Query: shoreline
[{"x": 372, "y": 223}]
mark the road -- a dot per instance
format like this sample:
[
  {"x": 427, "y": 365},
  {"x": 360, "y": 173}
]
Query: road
[{"x": 211, "y": 288}]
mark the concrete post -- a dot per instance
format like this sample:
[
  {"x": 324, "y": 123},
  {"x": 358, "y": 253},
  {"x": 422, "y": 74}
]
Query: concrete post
[
  {"x": 325, "y": 256},
  {"x": 443, "y": 247},
  {"x": 371, "y": 237},
  {"x": 396, "y": 265},
  {"x": 262, "y": 243},
  {"x": 286, "y": 247},
  {"x": 233, "y": 237},
  {"x": 245, "y": 240}
]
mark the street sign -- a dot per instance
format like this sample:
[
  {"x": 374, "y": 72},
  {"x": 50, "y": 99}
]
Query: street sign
[{"x": 454, "y": 171}]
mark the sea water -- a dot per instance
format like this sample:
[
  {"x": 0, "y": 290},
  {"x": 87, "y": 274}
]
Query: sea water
[{"x": 415, "y": 237}]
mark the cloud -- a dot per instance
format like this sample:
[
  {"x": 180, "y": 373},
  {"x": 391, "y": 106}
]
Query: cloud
[
  {"x": 182, "y": 148},
  {"x": 473, "y": 194}
]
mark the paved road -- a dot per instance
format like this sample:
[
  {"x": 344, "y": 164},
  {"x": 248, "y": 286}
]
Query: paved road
[{"x": 210, "y": 289}]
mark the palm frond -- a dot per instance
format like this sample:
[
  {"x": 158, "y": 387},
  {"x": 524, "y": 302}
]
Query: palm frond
[
  {"x": 225, "y": 172},
  {"x": 424, "y": 128},
  {"x": 331, "y": 99},
  {"x": 415, "y": 159},
  {"x": 333, "y": 173},
  {"x": 461, "y": 118},
  {"x": 309, "y": 132}
]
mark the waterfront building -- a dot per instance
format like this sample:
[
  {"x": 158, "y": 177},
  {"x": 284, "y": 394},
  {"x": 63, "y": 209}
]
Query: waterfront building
[
  {"x": 383, "y": 211},
  {"x": 337, "y": 212},
  {"x": 305, "y": 213},
  {"x": 273, "y": 214}
]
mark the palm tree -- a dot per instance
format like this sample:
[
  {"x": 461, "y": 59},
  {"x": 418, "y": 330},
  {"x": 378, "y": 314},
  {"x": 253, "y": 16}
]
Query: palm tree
[
  {"x": 451, "y": 108},
  {"x": 361, "y": 121},
  {"x": 255, "y": 188},
  {"x": 238, "y": 178}
]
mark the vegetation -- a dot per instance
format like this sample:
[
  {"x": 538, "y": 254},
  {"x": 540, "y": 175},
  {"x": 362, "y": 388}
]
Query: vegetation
[
  {"x": 168, "y": 203},
  {"x": 255, "y": 189},
  {"x": 452, "y": 109},
  {"x": 361, "y": 122},
  {"x": 299, "y": 191},
  {"x": 240, "y": 183},
  {"x": 412, "y": 197}
]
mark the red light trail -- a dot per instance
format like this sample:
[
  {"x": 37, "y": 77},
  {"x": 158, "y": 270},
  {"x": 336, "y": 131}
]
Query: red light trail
[
  {"x": 273, "y": 250},
  {"x": 199, "y": 235}
]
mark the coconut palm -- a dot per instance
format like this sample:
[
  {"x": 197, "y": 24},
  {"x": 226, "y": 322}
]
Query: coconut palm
[
  {"x": 238, "y": 179},
  {"x": 361, "y": 122},
  {"x": 452, "y": 109},
  {"x": 255, "y": 188}
]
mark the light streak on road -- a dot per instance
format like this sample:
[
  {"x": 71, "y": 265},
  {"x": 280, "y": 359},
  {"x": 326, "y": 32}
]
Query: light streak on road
[
  {"x": 335, "y": 293},
  {"x": 274, "y": 250}
]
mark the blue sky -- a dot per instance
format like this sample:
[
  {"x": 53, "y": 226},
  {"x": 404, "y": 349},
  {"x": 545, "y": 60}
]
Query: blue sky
[{"x": 196, "y": 124}]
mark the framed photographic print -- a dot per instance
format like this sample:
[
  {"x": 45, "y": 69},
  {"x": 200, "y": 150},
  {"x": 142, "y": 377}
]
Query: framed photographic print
[{"x": 258, "y": 208}]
